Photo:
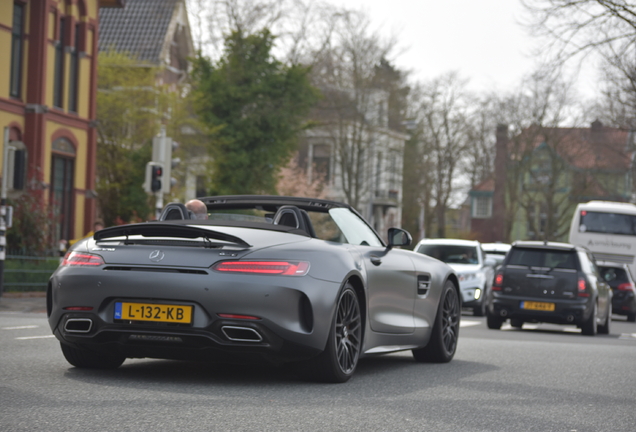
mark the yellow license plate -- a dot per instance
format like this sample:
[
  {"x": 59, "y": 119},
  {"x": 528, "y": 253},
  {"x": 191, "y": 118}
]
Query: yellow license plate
[
  {"x": 541, "y": 306},
  {"x": 153, "y": 312}
]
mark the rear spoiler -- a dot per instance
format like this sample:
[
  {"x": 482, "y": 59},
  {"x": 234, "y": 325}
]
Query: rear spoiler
[{"x": 165, "y": 230}]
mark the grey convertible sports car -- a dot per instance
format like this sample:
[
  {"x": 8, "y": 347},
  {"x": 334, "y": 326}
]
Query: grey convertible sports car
[{"x": 262, "y": 278}]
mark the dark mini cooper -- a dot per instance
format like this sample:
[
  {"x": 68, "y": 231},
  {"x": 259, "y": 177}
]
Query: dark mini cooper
[{"x": 550, "y": 282}]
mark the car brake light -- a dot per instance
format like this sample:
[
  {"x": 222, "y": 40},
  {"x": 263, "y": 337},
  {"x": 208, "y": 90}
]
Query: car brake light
[
  {"x": 498, "y": 283},
  {"x": 82, "y": 259},
  {"x": 582, "y": 288},
  {"x": 627, "y": 286},
  {"x": 281, "y": 268},
  {"x": 79, "y": 308}
]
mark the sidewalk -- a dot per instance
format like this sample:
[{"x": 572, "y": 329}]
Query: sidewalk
[{"x": 23, "y": 302}]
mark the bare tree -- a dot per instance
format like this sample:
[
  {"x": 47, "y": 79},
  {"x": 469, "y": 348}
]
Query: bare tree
[
  {"x": 540, "y": 156},
  {"x": 345, "y": 69},
  {"x": 576, "y": 28},
  {"x": 443, "y": 116}
]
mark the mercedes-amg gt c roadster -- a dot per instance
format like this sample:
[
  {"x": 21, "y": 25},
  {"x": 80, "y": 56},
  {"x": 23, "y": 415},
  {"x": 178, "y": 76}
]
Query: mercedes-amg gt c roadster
[{"x": 281, "y": 279}]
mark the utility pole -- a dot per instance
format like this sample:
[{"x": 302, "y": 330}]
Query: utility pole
[
  {"x": 158, "y": 155},
  {"x": 3, "y": 205}
]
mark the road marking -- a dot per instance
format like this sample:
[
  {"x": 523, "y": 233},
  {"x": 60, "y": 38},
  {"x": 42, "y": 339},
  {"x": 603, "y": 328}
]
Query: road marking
[
  {"x": 35, "y": 337},
  {"x": 20, "y": 327},
  {"x": 526, "y": 326},
  {"x": 464, "y": 323},
  {"x": 627, "y": 336}
]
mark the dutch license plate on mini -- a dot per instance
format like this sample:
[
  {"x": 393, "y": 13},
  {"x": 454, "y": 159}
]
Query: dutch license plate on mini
[
  {"x": 540, "y": 306},
  {"x": 153, "y": 312}
]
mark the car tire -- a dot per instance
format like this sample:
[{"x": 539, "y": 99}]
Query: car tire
[
  {"x": 631, "y": 317},
  {"x": 493, "y": 322},
  {"x": 442, "y": 345},
  {"x": 86, "y": 359},
  {"x": 605, "y": 327},
  {"x": 516, "y": 323},
  {"x": 589, "y": 326},
  {"x": 338, "y": 362}
]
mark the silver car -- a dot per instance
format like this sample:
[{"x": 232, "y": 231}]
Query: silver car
[
  {"x": 474, "y": 268},
  {"x": 263, "y": 278}
]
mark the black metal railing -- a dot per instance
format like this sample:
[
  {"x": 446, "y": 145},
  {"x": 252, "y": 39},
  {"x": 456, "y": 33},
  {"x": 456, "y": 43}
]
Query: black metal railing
[{"x": 28, "y": 273}]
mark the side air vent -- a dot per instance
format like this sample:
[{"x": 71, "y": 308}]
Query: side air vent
[
  {"x": 423, "y": 284},
  {"x": 155, "y": 270}
]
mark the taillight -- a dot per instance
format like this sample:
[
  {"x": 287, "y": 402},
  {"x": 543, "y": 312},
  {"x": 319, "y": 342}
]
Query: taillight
[
  {"x": 497, "y": 285},
  {"x": 582, "y": 285},
  {"x": 82, "y": 259},
  {"x": 627, "y": 286},
  {"x": 79, "y": 308},
  {"x": 280, "y": 268}
]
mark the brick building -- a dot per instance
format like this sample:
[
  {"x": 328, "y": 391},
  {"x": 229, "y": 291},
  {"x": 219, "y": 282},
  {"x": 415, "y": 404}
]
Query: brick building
[{"x": 47, "y": 103}]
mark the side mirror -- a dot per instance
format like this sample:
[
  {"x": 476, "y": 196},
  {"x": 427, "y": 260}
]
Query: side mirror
[{"x": 399, "y": 237}]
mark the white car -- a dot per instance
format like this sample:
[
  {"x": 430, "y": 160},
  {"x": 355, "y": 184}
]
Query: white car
[
  {"x": 474, "y": 268},
  {"x": 496, "y": 251}
]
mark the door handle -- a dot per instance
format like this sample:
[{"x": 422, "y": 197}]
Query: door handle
[{"x": 376, "y": 260}]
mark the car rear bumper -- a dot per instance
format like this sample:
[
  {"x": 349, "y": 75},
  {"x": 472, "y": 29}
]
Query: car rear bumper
[
  {"x": 224, "y": 340},
  {"x": 565, "y": 311},
  {"x": 623, "y": 304},
  {"x": 292, "y": 316}
]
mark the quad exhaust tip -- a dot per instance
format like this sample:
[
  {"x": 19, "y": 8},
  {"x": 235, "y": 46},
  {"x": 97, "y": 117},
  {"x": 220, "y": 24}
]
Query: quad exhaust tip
[
  {"x": 78, "y": 325},
  {"x": 241, "y": 334}
]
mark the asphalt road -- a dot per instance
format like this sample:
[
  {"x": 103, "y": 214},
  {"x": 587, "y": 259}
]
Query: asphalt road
[{"x": 547, "y": 378}]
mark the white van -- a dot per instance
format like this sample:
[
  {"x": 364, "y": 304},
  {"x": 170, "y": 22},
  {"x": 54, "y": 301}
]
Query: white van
[{"x": 607, "y": 229}]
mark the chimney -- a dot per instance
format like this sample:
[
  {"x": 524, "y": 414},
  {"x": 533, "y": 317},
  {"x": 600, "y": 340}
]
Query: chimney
[
  {"x": 498, "y": 199},
  {"x": 596, "y": 125}
]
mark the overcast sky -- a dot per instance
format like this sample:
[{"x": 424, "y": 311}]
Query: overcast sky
[{"x": 482, "y": 39}]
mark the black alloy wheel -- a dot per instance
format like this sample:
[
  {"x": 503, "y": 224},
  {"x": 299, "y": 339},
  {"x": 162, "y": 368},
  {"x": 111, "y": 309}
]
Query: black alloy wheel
[
  {"x": 443, "y": 342},
  {"x": 339, "y": 360}
]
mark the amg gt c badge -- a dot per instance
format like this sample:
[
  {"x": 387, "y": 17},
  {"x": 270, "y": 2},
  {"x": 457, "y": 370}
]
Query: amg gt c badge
[{"x": 156, "y": 255}]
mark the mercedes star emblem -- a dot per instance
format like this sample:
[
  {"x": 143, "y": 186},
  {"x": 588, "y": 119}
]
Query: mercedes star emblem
[{"x": 156, "y": 255}]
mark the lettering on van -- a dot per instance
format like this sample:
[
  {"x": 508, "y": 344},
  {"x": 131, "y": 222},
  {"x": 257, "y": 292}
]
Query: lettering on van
[{"x": 608, "y": 244}]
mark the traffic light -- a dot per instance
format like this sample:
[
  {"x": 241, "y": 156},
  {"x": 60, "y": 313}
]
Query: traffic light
[
  {"x": 162, "y": 148},
  {"x": 154, "y": 175}
]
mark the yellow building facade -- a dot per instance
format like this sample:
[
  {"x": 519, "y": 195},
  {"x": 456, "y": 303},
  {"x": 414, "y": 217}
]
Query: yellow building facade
[{"x": 48, "y": 103}]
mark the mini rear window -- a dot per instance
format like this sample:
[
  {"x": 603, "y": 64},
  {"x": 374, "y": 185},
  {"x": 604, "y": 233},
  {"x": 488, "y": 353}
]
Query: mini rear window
[{"x": 542, "y": 258}]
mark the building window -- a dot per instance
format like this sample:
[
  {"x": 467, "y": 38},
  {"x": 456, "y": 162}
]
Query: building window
[
  {"x": 58, "y": 85},
  {"x": 322, "y": 162},
  {"x": 17, "y": 46},
  {"x": 73, "y": 80},
  {"x": 482, "y": 207},
  {"x": 62, "y": 169}
]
